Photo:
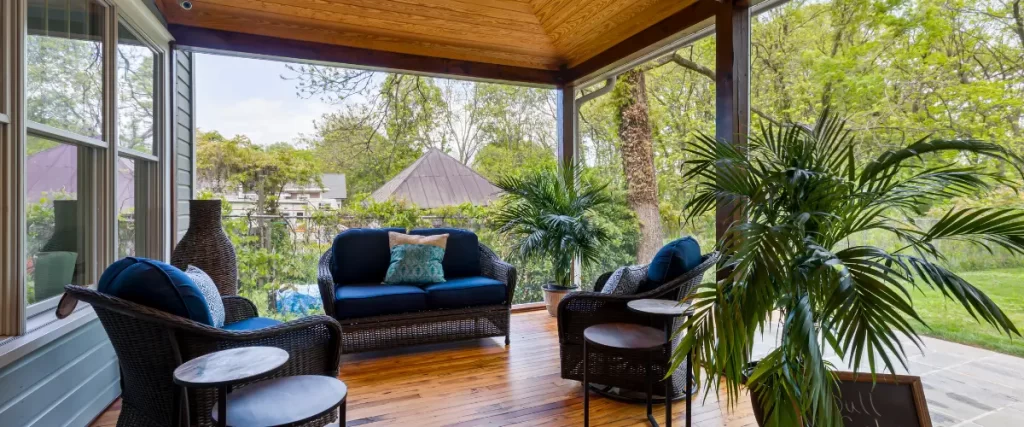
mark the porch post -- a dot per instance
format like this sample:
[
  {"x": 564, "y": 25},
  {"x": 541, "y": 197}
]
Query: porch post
[
  {"x": 732, "y": 90},
  {"x": 568, "y": 143},
  {"x": 568, "y": 121}
]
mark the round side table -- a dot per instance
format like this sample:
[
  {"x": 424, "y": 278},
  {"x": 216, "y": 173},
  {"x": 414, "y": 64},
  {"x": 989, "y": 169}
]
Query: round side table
[
  {"x": 668, "y": 310},
  {"x": 285, "y": 401},
  {"x": 223, "y": 369},
  {"x": 626, "y": 339}
]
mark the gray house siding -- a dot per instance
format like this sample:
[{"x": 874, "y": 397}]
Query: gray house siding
[
  {"x": 68, "y": 382},
  {"x": 183, "y": 135}
]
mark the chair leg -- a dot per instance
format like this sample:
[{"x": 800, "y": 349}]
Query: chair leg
[{"x": 507, "y": 340}]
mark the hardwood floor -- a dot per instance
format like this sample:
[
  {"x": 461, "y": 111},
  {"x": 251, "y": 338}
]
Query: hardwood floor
[{"x": 482, "y": 382}]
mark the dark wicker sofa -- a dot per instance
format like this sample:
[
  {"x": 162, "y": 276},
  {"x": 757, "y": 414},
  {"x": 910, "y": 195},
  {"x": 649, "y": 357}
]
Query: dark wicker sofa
[
  {"x": 577, "y": 311},
  {"x": 475, "y": 302},
  {"x": 151, "y": 343}
]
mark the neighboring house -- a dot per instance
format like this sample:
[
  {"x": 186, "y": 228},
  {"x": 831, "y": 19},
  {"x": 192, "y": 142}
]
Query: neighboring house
[
  {"x": 437, "y": 180},
  {"x": 295, "y": 201},
  {"x": 54, "y": 171}
]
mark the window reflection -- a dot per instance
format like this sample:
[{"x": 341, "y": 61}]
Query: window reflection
[
  {"x": 64, "y": 66},
  {"x": 135, "y": 82},
  {"x": 54, "y": 238}
]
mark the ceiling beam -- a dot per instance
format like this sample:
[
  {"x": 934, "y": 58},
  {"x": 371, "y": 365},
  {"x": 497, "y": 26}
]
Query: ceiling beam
[
  {"x": 218, "y": 41},
  {"x": 643, "y": 43}
]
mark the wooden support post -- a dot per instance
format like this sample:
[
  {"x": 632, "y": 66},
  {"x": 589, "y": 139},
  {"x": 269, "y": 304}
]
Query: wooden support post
[
  {"x": 568, "y": 143},
  {"x": 732, "y": 91},
  {"x": 568, "y": 121}
]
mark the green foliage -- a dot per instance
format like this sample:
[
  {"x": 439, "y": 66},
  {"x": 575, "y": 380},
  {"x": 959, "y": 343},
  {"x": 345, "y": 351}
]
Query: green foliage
[
  {"x": 802, "y": 194},
  {"x": 549, "y": 214}
]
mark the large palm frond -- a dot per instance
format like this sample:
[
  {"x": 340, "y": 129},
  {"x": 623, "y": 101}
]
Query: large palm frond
[
  {"x": 788, "y": 261},
  {"x": 550, "y": 213}
]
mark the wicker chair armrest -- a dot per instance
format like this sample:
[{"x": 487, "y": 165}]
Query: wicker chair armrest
[
  {"x": 325, "y": 281},
  {"x": 493, "y": 267},
  {"x": 238, "y": 308},
  {"x": 314, "y": 343},
  {"x": 579, "y": 310}
]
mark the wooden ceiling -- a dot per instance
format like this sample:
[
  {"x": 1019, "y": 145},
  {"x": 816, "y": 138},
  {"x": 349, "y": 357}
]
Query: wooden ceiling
[{"x": 530, "y": 34}]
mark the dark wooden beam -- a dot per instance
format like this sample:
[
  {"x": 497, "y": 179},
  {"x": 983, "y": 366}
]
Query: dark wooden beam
[
  {"x": 567, "y": 121},
  {"x": 628, "y": 49},
  {"x": 250, "y": 44},
  {"x": 732, "y": 89}
]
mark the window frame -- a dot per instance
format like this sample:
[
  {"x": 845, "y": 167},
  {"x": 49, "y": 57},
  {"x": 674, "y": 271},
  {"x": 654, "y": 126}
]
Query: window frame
[{"x": 17, "y": 316}]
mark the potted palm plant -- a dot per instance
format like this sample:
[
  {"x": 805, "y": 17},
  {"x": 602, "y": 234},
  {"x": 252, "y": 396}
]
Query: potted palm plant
[
  {"x": 803, "y": 198},
  {"x": 548, "y": 213}
]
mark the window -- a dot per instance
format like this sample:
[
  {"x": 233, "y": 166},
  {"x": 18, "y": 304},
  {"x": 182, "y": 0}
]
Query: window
[
  {"x": 91, "y": 189},
  {"x": 55, "y": 202},
  {"x": 132, "y": 206},
  {"x": 64, "y": 65},
  {"x": 136, "y": 77}
]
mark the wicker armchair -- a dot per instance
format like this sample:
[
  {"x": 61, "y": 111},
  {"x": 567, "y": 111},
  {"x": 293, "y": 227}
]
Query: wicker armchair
[
  {"x": 577, "y": 311},
  {"x": 150, "y": 344},
  {"x": 424, "y": 327}
]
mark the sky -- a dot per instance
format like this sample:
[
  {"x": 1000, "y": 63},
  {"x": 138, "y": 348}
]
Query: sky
[{"x": 248, "y": 96}]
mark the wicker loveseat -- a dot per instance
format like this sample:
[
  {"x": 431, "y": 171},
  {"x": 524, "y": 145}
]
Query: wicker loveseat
[
  {"x": 151, "y": 343},
  {"x": 474, "y": 302},
  {"x": 577, "y": 311}
]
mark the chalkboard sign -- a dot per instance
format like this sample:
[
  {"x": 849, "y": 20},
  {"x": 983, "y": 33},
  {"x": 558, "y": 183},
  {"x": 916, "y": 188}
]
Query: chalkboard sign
[{"x": 889, "y": 401}]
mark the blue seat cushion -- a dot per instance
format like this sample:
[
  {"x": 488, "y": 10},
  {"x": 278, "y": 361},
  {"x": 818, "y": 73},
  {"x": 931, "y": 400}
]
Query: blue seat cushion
[
  {"x": 361, "y": 255},
  {"x": 157, "y": 285},
  {"x": 251, "y": 324},
  {"x": 465, "y": 292},
  {"x": 461, "y": 254},
  {"x": 671, "y": 261},
  {"x": 354, "y": 301}
]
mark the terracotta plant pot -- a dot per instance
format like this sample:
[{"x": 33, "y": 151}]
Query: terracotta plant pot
[{"x": 553, "y": 295}]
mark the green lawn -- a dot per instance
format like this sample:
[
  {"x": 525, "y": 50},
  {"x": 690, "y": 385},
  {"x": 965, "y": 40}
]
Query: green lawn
[{"x": 949, "y": 320}]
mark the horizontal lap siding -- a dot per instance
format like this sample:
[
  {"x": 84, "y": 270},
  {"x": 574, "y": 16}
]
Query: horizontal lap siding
[
  {"x": 66, "y": 383},
  {"x": 184, "y": 137}
]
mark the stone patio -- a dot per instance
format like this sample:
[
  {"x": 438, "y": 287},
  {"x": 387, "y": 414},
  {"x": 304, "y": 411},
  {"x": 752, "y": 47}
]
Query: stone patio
[{"x": 964, "y": 386}]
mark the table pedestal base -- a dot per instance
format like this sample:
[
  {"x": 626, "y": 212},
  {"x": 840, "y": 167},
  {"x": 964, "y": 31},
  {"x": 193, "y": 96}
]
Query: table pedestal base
[{"x": 630, "y": 396}]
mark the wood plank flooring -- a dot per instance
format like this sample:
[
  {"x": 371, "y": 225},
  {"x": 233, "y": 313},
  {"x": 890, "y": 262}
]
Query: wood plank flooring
[
  {"x": 477, "y": 383},
  {"x": 482, "y": 382}
]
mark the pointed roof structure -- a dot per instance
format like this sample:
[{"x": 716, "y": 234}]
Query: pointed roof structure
[{"x": 436, "y": 180}]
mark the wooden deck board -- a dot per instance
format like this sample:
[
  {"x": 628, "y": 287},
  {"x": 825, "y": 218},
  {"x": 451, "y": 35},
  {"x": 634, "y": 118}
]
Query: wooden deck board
[
  {"x": 478, "y": 383},
  {"x": 483, "y": 383}
]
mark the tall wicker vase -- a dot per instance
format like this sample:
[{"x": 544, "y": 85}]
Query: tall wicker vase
[{"x": 205, "y": 245}]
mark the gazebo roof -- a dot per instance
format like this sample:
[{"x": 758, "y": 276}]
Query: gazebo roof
[
  {"x": 436, "y": 180},
  {"x": 533, "y": 41}
]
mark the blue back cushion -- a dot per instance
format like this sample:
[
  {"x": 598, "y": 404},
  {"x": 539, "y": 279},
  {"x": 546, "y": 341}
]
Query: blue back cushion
[
  {"x": 462, "y": 253},
  {"x": 158, "y": 285},
  {"x": 671, "y": 261},
  {"x": 361, "y": 255}
]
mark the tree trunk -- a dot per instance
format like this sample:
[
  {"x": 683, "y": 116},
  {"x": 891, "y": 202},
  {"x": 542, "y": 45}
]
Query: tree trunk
[{"x": 638, "y": 161}]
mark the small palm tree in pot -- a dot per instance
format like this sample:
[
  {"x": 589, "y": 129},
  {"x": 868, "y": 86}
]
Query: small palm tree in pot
[
  {"x": 792, "y": 261},
  {"x": 549, "y": 214}
]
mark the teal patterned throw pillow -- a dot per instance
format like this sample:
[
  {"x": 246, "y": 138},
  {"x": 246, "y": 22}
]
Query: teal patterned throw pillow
[{"x": 415, "y": 264}]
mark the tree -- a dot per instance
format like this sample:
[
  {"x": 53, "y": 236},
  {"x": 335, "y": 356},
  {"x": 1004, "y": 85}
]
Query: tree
[
  {"x": 630, "y": 96},
  {"x": 224, "y": 164}
]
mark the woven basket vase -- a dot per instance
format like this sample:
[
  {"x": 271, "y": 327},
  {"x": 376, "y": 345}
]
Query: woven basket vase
[{"x": 205, "y": 245}]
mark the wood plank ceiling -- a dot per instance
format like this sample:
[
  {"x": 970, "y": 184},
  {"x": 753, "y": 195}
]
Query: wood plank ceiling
[{"x": 534, "y": 34}]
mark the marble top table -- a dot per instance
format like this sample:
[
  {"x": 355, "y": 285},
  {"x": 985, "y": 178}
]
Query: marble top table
[
  {"x": 659, "y": 307},
  {"x": 225, "y": 368},
  {"x": 229, "y": 367}
]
